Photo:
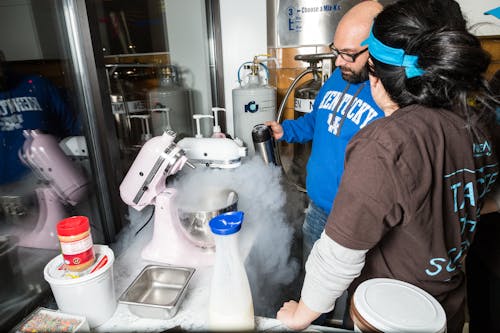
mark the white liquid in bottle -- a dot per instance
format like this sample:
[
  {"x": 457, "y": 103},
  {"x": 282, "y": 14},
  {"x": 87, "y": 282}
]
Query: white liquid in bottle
[
  {"x": 231, "y": 306},
  {"x": 232, "y": 322}
]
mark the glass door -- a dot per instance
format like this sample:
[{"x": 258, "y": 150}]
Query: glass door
[
  {"x": 57, "y": 156},
  {"x": 83, "y": 84}
]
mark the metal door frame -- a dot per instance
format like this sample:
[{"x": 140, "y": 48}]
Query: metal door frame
[{"x": 93, "y": 97}]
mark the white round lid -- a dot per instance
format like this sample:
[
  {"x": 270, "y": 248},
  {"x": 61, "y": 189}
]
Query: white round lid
[{"x": 396, "y": 306}]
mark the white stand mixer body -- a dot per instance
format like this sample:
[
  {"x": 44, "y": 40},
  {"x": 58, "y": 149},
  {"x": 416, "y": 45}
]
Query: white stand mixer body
[
  {"x": 51, "y": 211},
  {"x": 168, "y": 244}
]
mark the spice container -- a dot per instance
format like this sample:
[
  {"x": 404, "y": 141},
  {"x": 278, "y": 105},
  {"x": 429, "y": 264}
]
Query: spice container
[{"x": 76, "y": 243}]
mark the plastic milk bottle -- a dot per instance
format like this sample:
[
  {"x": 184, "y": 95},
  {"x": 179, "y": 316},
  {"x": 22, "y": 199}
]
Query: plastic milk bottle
[{"x": 231, "y": 306}]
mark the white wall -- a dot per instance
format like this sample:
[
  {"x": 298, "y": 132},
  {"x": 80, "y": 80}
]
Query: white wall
[
  {"x": 20, "y": 42},
  {"x": 29, "y": 30},
  {"x": 244, "y": 35},
  {"x": 481, "y": 25},
  {"x": 187, "y": 31}
]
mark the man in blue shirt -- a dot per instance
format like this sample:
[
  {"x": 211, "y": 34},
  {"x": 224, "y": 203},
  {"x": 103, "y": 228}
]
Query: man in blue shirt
[
  {"x": 343, "y": 106},
  {"x": 28, "y": 102}
]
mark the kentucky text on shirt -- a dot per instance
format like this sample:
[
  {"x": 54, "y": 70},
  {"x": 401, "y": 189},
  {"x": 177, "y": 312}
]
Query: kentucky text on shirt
[
  {"x": 19, "y": 104},
  {"x": 356, "y": 112},
  {"x": 9, "y": 120}
]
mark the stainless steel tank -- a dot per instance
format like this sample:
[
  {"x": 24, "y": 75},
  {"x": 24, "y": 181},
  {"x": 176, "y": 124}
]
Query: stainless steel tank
[
  {"x": 170, "y": 105},
  {"x": 293, "y": 23},
  {"x": 304, "y": 97},
  {"x": 254, "y": 102},
  {"x": 128, "y": 100}
]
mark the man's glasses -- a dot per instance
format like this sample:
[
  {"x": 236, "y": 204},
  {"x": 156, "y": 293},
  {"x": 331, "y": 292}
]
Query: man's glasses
[{"x": 349, "y": 57}]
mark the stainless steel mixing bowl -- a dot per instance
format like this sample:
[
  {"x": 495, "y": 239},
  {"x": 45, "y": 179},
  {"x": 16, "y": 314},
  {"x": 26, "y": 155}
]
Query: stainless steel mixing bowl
[{"x": 197, "y": 209}]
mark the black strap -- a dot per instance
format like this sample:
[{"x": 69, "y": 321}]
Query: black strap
[
  {"x": 336, "y": 108},
  {"x": 348, "y": 107}
]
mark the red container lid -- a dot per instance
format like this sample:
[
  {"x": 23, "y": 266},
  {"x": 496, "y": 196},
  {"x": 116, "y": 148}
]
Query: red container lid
[{"x": 73, "y": 225}]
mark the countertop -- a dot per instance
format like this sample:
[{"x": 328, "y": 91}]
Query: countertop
[
  {"x": 268, "y": 239},
  {"x": 192, "y": 314}
]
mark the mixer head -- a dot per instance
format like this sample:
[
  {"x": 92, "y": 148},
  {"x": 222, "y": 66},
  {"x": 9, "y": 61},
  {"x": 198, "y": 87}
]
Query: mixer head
[
  {"x": 42, "y": 153},
  {"x": 159, "y": 158},
  {"x": 220, "y": 153}
]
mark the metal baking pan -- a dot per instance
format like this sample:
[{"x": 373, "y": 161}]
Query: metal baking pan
[{"x": 157, "y": 291}]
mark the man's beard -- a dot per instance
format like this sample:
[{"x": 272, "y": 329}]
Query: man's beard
[{"x": 355, "y": 77}]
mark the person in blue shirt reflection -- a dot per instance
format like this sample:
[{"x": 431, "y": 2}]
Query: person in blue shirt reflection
[{"x": 28, "y": 102}]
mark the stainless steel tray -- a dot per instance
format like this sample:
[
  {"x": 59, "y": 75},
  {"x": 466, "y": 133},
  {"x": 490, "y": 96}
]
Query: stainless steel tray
[{"x": 157, "y": 291}]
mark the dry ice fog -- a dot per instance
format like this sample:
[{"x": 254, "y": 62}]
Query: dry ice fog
[{"x": 268, "y": 239}]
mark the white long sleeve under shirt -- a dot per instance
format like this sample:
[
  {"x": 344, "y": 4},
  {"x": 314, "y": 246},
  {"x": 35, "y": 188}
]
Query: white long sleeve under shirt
[{"x": 330, "y": 269}]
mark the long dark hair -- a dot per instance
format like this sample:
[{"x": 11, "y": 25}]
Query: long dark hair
[{"x": 451, "y": 57}]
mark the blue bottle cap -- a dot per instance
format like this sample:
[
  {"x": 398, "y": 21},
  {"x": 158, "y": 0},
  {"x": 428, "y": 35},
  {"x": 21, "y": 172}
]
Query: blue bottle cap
[{"x": 227, "y": 223}]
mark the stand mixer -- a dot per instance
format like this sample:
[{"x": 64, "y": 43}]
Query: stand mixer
[
  {"x": 145, "y": 184},
  {"x": 63, "y": 184}
]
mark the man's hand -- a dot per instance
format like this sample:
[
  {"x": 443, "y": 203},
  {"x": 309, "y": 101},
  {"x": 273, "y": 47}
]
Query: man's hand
[
  {"x": 296, "y": 316},
  {"x": 276, "y": 128}
]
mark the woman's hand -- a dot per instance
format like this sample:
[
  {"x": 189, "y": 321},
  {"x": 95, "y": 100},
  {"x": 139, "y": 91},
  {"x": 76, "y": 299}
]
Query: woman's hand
[{"x": 296, "y": 316}]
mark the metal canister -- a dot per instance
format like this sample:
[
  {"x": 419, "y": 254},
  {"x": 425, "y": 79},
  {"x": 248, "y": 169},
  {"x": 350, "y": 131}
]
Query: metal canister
[
  {"x": 263, "y": 143},
  {"x": 170, "y": 105},
  {"x": 304, "y": 97}
]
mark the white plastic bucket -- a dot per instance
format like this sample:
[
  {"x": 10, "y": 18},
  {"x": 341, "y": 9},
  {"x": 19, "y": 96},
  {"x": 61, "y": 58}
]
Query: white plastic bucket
[
  {"x": 91, "y": 295},
  {"x": 388, "y": 305}
]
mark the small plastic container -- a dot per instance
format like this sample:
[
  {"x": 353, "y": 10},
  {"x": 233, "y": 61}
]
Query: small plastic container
[
  {"x": 76, "y": 243},
  {"x": 47, "y": 320},
  {"x": 388, "y": 305},
  {"x": 90, "y": 294}
]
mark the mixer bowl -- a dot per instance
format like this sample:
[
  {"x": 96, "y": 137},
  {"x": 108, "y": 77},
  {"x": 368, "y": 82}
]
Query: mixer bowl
[{"x": 196, "y": 210}]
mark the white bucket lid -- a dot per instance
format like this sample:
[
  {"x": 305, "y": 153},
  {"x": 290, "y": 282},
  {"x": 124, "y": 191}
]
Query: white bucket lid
[
  {"x": 396, "y": 306},
  {"x": 55, "y": 276}
]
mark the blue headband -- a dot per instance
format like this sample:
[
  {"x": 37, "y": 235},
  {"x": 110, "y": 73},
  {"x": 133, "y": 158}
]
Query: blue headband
[
  {"x": 495, "y": 12},
  {"x": 392, "y": 56}
]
